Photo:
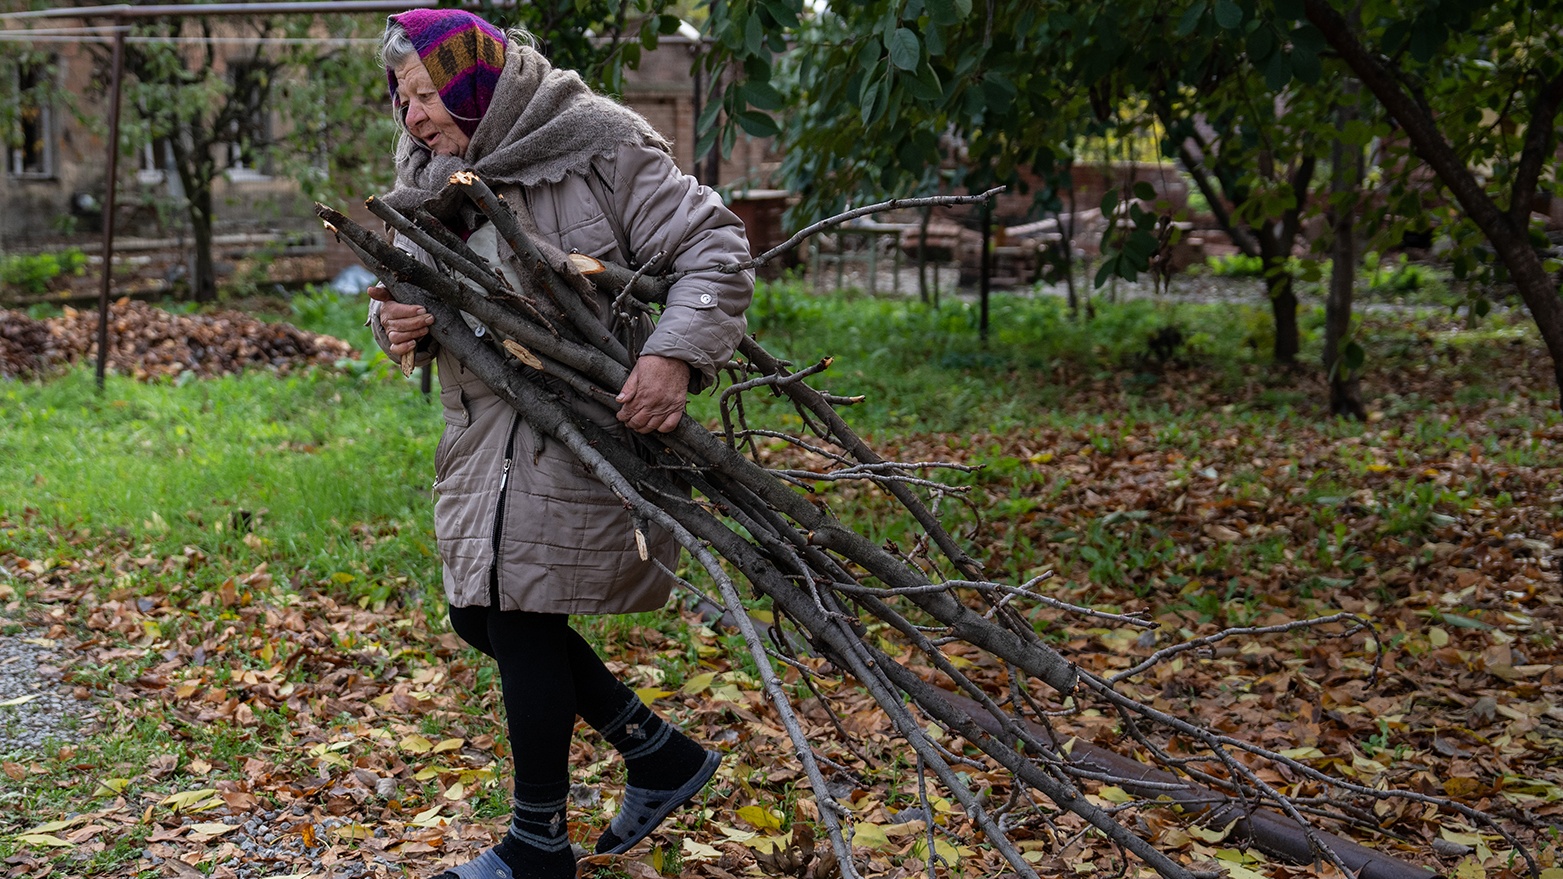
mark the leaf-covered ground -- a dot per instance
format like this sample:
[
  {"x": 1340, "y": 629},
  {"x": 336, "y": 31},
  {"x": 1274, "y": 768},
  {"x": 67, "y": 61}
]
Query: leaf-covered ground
[{"x": 271, "y": 727}]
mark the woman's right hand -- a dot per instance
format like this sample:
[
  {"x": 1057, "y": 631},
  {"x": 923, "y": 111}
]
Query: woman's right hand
[{"x": 404, "y": 324}]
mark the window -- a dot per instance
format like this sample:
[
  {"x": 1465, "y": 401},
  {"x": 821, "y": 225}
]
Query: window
[
  {"x": 249, "y": 132},
  {"x": 151, "y": 171},
  {"x": 29, "y": 135}
]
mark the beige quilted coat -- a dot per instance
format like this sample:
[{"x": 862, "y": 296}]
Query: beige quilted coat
[{"x": 565, "y": 543}]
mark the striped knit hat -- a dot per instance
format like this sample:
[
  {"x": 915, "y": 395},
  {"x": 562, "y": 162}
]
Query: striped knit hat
[{"x": 464, "y": 56}]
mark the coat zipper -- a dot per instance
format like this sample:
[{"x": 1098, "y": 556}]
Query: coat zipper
[{"x": 499, "y": 514}]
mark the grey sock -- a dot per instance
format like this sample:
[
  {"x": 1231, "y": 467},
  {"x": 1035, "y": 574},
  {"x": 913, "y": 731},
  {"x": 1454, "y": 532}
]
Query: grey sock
[{"x": 485, "y": 866}]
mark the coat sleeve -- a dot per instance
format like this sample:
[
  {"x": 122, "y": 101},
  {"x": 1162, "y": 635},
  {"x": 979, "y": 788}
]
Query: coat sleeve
[
  {"x": 663, "y": 210},
  {"x": 429, "y": 349}
]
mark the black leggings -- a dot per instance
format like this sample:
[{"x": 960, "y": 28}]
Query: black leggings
[{"x": 548, "y": 674}]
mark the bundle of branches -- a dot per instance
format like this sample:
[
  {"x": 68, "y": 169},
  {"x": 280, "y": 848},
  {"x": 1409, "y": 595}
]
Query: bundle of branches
[{"x": 829, "y": 584}]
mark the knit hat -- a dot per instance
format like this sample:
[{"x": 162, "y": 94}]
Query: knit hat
[{"x": 464, "y": 55}]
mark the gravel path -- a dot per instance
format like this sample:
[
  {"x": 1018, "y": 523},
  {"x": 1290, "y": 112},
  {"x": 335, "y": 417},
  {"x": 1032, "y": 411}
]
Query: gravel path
[{"x": 35, "y": 705}]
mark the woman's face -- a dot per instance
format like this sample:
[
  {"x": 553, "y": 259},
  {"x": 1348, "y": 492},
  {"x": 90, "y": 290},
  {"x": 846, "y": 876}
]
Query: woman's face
[{"x": 427, "y": 117}]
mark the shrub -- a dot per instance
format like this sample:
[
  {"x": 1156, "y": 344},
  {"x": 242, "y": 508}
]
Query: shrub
[
  {"x": 33, "y": 273},
  {"x": 1237, "y": 265}
]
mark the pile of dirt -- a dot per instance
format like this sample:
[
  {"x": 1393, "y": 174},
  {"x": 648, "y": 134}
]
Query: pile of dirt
[{"x": 147, "y": 342}]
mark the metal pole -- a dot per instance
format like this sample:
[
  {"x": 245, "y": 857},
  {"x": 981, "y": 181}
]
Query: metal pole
[
  {"x": 986, "y": 263},
  {"x": 124, "y": 10},
  {"x": 108, "y": 205}
]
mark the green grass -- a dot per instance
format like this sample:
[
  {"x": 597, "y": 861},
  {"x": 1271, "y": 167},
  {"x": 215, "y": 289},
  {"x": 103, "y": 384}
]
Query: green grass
[
  {"x": 923, "y": 369},
  {"x": 316, "y": 466}
]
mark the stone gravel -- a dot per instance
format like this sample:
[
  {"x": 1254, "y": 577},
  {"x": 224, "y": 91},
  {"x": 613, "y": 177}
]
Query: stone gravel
[{"x": 36, "y": 706}]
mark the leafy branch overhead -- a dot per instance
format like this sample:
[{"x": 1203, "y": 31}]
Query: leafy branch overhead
[{"x": 1249, "y": 100}]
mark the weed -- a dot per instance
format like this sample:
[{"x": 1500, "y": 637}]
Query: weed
[{"x": 34, "y": 274}]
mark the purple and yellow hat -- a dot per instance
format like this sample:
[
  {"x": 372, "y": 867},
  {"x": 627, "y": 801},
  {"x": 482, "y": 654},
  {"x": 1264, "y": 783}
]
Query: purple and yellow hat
[{"x": 464, "y": 56}]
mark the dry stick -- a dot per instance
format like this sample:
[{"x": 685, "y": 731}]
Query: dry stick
[
  {"x": 1185, "y": 646},
  {"x": 532, "y": 260},
  {"x": 1141, "y": 707},
  {"x": 474, "y": 351},
  {"x": 892, "y": 204},
  {"x": 402, "y": 266},
  {"x": 809, "y": 399},
  {"x": 491, "y": 281},
  {"x": 1212, "y": 740}
]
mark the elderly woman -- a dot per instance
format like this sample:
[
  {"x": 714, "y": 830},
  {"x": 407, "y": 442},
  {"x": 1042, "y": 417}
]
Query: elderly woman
[{"x": 526, "y": 535}]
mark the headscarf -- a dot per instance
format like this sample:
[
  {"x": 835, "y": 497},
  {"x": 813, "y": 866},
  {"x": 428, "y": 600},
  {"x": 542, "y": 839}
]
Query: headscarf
[
  {"x": 543, "y": 124},
  {"x": 464, "y": 56}
]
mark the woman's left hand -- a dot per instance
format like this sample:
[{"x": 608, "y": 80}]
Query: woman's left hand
[{"x": 654, "y": 395}]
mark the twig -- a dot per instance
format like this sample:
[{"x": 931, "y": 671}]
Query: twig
[{"x": 892, "y": 204}]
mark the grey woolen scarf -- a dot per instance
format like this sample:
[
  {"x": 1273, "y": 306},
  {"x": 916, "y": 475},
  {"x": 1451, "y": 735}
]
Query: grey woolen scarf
[{"x": 542, "y": 124}]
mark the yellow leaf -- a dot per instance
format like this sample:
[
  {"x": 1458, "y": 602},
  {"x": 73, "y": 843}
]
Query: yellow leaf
[
  {"x": 697, "y": 684},
  {"x": 352, "y": 831},
  {"x": 111, "y": 786},
  {"x": 192, "y": 800},
  {"x": 1114, "y": 794},
  {"x": 1437, "y": 636},
  {"x": 19, "y": 700},
  {"x": 384, "y": 701},
  {"x": 1210, "y": 834},
  {"x": 695, "y": 851},
  {"x": 649, "y": 695},
  {"x": 429, "y": 818},
  {"x": 1470, "y": 867},
  {"x": 42, "y": 839},
  {"x": 1471, "y": 839},
  {"x": 62, "y": 824},
  {"x": 950, "y": 853},
  {"x": 426, "y": 773},
  {"x": 449, "y": 745},
  {"x": 213, "y": 828},
  {"x": 1549, "y": 873},
  {"x": 762, "y": 616},
  {"x": 1378, "y": 468},
  {"x": 416, "y": 744},
  {"x": 733, "y": 834},
  {"x": 1302, "y": 753},
  {"x": 455, "y": 792},
  {"x": 870, "y": 836},
  {"x": 1238, "y": 871},
  {"x": 760, "y": 818}
]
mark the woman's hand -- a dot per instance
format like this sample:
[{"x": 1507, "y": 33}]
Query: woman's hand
[
  {"x": 404, "y": 324},
  {"x": 654, "y": 395}
]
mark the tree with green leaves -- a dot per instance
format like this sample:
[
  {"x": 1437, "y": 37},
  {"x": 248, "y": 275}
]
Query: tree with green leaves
[
  {"x": 288, "y": 93},
  {"x": 890, "y": 99},
  {"x": 1475, "y": 91}
]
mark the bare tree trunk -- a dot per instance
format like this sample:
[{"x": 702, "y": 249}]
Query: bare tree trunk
[
  {"x": 203, "y": 284},
  {"x": 1346, "y": 174},
  {"x": 1505, "y": 230}
]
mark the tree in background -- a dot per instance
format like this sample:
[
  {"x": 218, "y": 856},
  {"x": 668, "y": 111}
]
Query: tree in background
[
  {"x": 1476, "y": 91},
  {"x": 1249, "y": 95},
  {"x": 223, "y": 96}
]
